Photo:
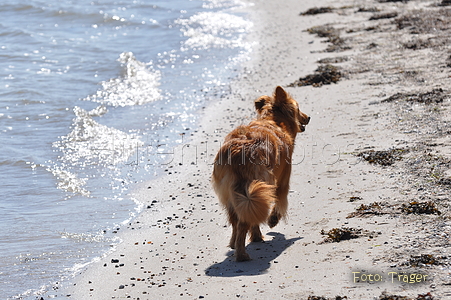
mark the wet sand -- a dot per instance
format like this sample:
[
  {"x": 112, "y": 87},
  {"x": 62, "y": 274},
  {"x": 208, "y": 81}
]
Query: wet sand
[{"x": 372, "y": 165}]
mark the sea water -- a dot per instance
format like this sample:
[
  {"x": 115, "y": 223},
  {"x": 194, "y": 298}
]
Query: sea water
[{"x": 93, "y": 94}]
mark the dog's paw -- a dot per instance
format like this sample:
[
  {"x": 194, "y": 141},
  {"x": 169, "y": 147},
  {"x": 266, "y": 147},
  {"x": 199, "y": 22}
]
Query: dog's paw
[
  {"x": 273, "y": 220},
  {"x": 242, "y": 257},
  {"x": 256, "y": 239}
]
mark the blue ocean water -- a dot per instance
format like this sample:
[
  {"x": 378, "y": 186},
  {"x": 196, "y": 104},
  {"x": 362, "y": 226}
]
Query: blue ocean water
[{"x": 91, "y": 91}]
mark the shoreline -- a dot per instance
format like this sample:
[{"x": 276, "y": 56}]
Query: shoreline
[{"x": 177, "y": 247}]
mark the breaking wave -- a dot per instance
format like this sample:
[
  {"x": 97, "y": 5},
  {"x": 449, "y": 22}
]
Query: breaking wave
[{"x": 138, "y": 84}]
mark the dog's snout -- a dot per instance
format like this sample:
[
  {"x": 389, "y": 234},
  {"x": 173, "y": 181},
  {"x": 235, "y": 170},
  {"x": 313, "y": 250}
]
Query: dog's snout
[{"x": 308, "y": 120}]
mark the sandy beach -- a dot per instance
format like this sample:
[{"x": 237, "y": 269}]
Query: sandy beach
[{"x": 369, "y": 198}]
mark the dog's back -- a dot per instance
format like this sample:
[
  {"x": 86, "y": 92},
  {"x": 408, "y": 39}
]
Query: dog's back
[{"x": 243, "y": 175}]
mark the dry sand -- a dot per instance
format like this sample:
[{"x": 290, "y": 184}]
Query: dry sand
[{"x": 177, "y": 248}]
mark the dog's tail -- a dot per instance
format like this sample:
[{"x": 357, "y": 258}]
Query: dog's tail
[{"x": 254, "y": 204}]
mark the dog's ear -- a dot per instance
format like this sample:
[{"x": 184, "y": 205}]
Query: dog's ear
[
  {"x": 280, "y": 95},
  {"x": 261, "y": 102}
]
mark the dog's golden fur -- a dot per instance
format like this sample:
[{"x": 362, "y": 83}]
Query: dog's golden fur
[{"x": 252, "y": 168}]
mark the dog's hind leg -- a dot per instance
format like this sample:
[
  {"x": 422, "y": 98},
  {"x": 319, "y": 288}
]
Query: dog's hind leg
[
  {"x": 280, "y": 208},
  {"x": 233, "y": 219},
  {"x": 240, "y": 251},
  {"x": 256, "y": 234}
]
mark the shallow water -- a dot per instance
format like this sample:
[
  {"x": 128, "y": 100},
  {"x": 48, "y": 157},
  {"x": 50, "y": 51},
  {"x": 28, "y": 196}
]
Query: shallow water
[{"x": 93, "y": 94}]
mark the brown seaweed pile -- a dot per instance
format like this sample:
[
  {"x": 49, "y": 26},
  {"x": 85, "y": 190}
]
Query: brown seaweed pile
[
  {"x": 387, "y": 15},
  {"x": 317, "y": 10},
  {"x": 434, "y": 96},
  {"x": 387, "y": 296},
  {"x": 423, "y": 260},
  {"x": 429, "y": 21},
  {"x": 415, "y": 207},
  {"x": 324, "y": 74},
  {"x": 385, "y": 1},
  {"x": 337, "y": 43},
  {"x": 354, "y": 198},
  {"x": 383, "y": 157},
  {"x": 336, "y": 235},
  {"x": 335, "y": 60},
  {"x": 324, "y": 298},
  {"x": 323, "y": 31},
  {"x": 375, "y": 208}
]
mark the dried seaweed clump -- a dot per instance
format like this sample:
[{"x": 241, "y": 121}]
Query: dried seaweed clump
[
  {"x": 317, "y": 10},
  {"x": 415, "y": 207},
  {"x": 368, "y": 9},
  {"x": 325, "y": 74},
  {"x": 426, "y": 296},
  {"x": 385, "y": 1},
  {"x": 417, "y": 44},
  {"x": 386, "y": 296},
  {"x": 444, "y": 181},
  {"x": 341, "y": 234},
  {"x": 354, "y": 198},
  {"x": 333, "y": 60},
  {"x": 434, "y": 96},
  {"x": 383, "y": 158},
  {"x": 423, "y": 260},
  {"x": 323, "y": 31},
  {"x": 374, "y": 208},
  {"x": 324, "y": 298},
  {"x": 429, "y": 21},
  {"x": 387, "y": 15},
  {"x": 338, "y": 43}
]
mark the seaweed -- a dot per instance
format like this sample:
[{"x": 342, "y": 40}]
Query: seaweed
[
  {"x": 380, "y": 16},
  {"x": 354, "y": 198},
  {"x": 445, "y": 3},
  {"x": 434, "y": 96},
  {"x": 386, "y": 296},
  {"x": 426, "y": 296},
  {"x": 333, "y": 60},
  {"x": 324, "y": 74},
  {"x": 368, "y": 9},
  {"x": 338, "y": 43},
  {"x": 383, "y": 158},
  {"x": 323, "y": 31},
  {"x": 374, "y": 208},
  {"x": 341, "y": 234},
  {"x": 415, "y": 207},
  {"x": 417, "y": 44},
  {"x": 444, "y": 181},
  {"x": 311, "y": 297},
  {"x": 317, "y": 10},
  {"x": 423, "y": 260},
  {"x": 429, "y": 21},
  {"x": 386, "y": 1}
]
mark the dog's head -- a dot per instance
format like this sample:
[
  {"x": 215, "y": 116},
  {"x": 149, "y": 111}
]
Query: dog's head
[{"x": 282, "y": 109}]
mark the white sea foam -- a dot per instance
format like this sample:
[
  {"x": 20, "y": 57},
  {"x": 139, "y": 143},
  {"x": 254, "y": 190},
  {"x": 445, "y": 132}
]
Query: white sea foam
[
  {"x": 90, "y": 144},
  {"x": 214, "y": 30},
  {"x": 138, "y": 85}
]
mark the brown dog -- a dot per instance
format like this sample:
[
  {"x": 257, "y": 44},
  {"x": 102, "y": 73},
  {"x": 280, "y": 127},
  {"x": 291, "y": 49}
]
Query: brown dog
[{"x": 252, "y": 169}]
